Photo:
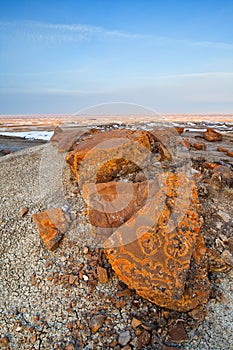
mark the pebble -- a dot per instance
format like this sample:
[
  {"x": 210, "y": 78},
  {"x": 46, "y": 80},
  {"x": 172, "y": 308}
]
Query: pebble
[
  {"x": 96, "y": 322},
  {"x": 230, "y": 153},
  {"x": 85, "y": 277},
  {"x": 177, "y": 333},
  {"x": 135, "y": 322},
  {"x": 143, "y": 339},
  {"x": 230, "y": 244},
  {"x": 102, "y": 274},
  {"x": 227, "y": 257},
  {"x": 4, "y": 341},
  {"x": 24, "y": 211},
  {"x": 226, "y": 217},
  {"x": 124, "y": 338},
  {"x": 85, "y": 250}
]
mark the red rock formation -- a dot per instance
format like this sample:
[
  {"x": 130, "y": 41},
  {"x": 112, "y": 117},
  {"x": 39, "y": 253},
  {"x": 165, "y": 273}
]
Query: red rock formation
[
  {"x": 101, "y": 157},
  {"x": 159, "y": 252},
  {"x": 156, "y": 248}
]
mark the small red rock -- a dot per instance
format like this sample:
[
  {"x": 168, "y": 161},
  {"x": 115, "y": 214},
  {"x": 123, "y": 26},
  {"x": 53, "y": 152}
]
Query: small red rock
[
  {"x": 102, "y": 274},
  {"x": 230, "y": 244},
  {"x": 24, "y": 211},
  {"x": 4, "y": 341},
  {"x": 33, "y": 280},
  {"x": 96, "y": 322},
  {"x": 72, "y": 279},
  {"x": 177, "y": 333},
  {"x": 200, "y": 146},
  {"x": 135, "y": 322},
  {"x": 33, "y": 338},
  {"x": 187, "y": 144},
  {"x": 221, "y": 149},
  {"x": 179, "y": 129},
  {"x": 212, "y": 135},
  {"x": 52, "y": 224},
  {"x": 230, "y": 153},
  {"x": 143, "y": 339}
]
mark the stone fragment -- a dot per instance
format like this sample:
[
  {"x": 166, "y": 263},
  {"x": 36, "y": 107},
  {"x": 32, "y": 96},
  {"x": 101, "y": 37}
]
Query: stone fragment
[
  {"x": 164, "y": 153},
  {"x": 52, "y": 224},
  {"x": 143, "y": 339},
  {"x": 24, "y": 211},
  {"x": 135, "y": 322},
  {"x": 33, "y": 338},
  {"x": 227, "y": 257},
  {"x": 200, "y": 146},
  {"x": 4, "y": 341},
  {"x": 230, "y": 153},
  {"x": 230, "y": 244},
  {"x": 127, "y": 347},
  {"x": 179, "y": 129},
  {"x": 140, "y": 177},
  {"x": 96, "y": 322},
  {"x": 66, "y": 139},
  {"x": 159, "y": 252},
  {"x": 102, "y": 274},
  {"x": 124, "y": 338},
  {"x": 198, "y": 313},
  {"x": 221, "y": 149},
  {"x": 177, "y": 333},
  {"x": 215, "y": 261},
  {"x": 224, "y": 216},
  {"x": 33, "y": 280},
  {"x": 224, "y": 174},
  {"x": 5, "y": 152},
  {"x": 123, "y": 293},
  {"x": 103, "y": 156},
  {"x": 212, "y": 135},
  {"x": 72, "y": 279},
  {"x": 187, "y": 144}
]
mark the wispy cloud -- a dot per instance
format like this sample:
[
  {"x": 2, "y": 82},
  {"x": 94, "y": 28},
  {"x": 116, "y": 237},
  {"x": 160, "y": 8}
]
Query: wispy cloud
[
  {"x": 186, "y": 76},
  {"x": 79, "y": 32}
]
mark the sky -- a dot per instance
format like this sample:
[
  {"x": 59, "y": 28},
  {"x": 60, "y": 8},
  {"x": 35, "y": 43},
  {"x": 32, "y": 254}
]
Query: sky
[{"x": 64, "y": 56}]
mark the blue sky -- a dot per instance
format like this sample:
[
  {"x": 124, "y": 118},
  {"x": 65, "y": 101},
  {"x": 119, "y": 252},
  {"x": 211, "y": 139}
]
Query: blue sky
[{"x": 61, "y": 56}]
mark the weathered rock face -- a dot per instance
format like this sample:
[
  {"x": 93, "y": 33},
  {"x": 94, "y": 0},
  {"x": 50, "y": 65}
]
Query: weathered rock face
[
  {"x": 212, "y": 135},
  {"x": 111, "y": 204},
  {"x": 65, "y": 140},
  {"x": 159, "y": 251},
  {"x": 101, "y": 157},
  {"x": 52, "y": 224}
]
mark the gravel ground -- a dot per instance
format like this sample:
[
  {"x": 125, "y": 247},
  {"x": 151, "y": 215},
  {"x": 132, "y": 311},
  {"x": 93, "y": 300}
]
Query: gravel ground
[{"x": 49, "y": 300}]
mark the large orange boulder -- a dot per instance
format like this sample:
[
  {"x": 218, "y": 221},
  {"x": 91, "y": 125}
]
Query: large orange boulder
[
  {"x": 159, "y": 251},
  {"x": 52, "y": 224},
  {"x": 103, "y": 156}
]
